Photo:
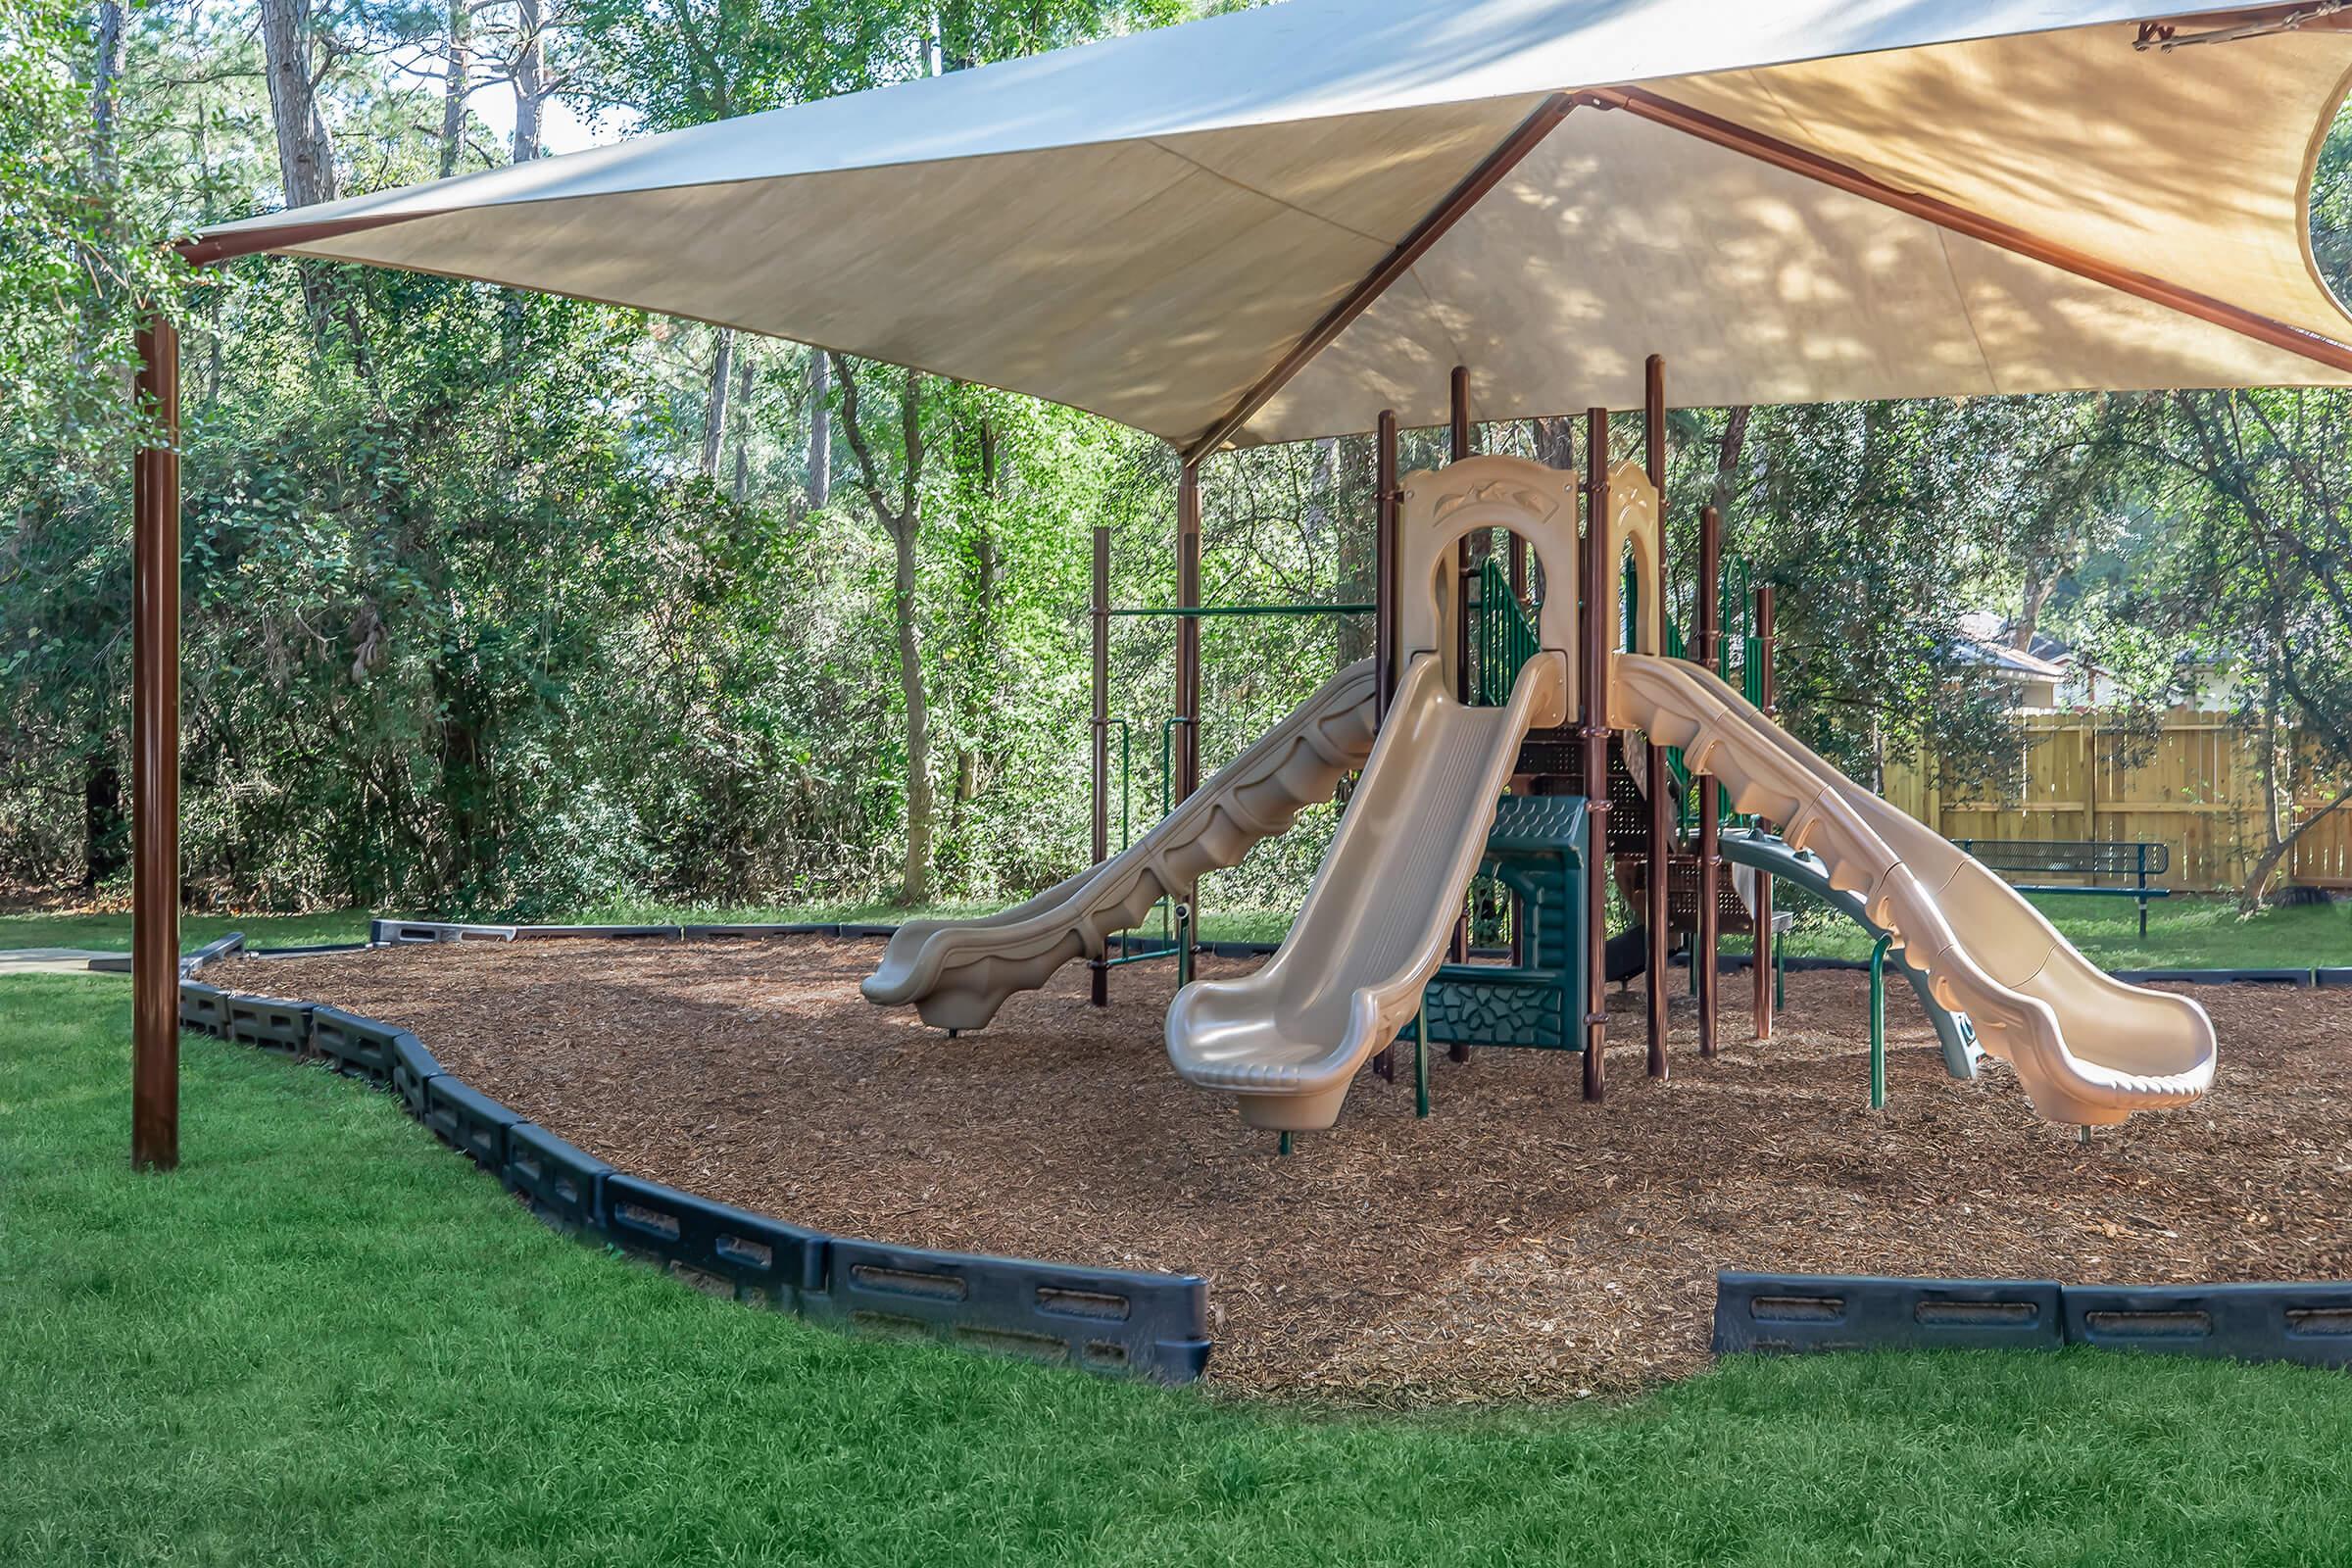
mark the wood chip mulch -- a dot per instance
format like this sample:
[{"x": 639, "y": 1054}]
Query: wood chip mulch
[{"x": 1518, "y": 1245}]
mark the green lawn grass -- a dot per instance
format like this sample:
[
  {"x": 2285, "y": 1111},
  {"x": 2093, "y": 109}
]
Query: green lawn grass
[
  {"x": 2182, "y": 932},
  {"x": 2192, "y": 933},
  {"x": 326, "y": 1340}
]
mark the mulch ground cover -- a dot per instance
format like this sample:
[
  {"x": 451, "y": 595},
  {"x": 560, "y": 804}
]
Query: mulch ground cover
[{"x": 1517, "y": 1245}]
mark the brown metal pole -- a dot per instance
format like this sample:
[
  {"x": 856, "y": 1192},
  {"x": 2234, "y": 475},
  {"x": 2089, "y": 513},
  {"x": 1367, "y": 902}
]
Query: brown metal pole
[
  {"x": 155, "y": 760},
  {"x": 1706, "y": 647},
  {"x": 1386, "y": 503},
  {"x": 1457, "y": 950},
  {"x": 1518, "y": 571},
  {"x": 1188, "y": 654},
  {"x": 1595, "y": 729},
  {"x": 1763, "y": 975},
  {"x": 1661, "y": 812},
  {"x": 1459, "y": 429},
  {"x": 1101, "y": 979},
  {"x": 1383, "y": 554}
]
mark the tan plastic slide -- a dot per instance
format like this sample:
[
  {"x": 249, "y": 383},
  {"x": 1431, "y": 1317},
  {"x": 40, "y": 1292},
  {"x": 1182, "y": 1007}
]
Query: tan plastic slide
[
  {"x": 958, "y": 972},
  {"x": 1286, "y": 1040},
  {"x": 2089, "y": 1049}
]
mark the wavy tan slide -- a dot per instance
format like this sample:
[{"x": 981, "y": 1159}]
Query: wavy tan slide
[
  {"x": 2089, "y": 1049},
  {"x": 1287, "y": 1039},
  {"x": 958, "y": 972}
]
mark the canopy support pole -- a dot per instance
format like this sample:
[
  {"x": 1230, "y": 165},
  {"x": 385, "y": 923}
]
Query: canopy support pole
[
  {"x": 1763, "y": 922},
  {"x": 1662, "y": 810},
  {"x": 155, "y": 757},
  {"x": 1188, "y": 648},
  {"x": 1457, "y": 948},
  {"x": 1798, "y": 159},
  {"x": 1706, "y": 647},
  {"x": 1594, "y": 730},
  {"x": 1099, "y": 981},
  {"x": 1426, "y": 234},
  {"x": 1385, "y": 506}
]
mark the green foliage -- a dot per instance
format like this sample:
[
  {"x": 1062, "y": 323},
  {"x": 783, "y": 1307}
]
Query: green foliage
[
  {"x": 484, "y": 616},
  {"x": 327, "y": 1338}
]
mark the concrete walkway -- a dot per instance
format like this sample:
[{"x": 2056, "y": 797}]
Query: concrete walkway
[{"x": 51, "y": 961}]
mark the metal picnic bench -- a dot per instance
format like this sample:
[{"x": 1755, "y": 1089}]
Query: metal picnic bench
[{"x": 2085, "y": 857}]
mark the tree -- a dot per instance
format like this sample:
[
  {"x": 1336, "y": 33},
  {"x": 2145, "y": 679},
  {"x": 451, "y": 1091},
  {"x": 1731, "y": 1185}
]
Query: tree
[
  {"x": 820, "y": 429},
  {"x": 901, "y": 517},
  {"x": 2252, "y": 572}
]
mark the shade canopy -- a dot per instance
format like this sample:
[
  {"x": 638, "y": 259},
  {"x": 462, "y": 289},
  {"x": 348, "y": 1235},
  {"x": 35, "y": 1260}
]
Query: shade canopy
[{"x": 1272, "y": 224}]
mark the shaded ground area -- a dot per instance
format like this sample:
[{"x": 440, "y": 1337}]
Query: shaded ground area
[{"x": 1517, "y": 1245}]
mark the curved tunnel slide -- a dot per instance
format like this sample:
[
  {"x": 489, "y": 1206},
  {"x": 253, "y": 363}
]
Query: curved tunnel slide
[
  {"x": 1762, "y": 852},
  {"x": 2089, "y": 1049},
  {"x": 958, "y": 972}
]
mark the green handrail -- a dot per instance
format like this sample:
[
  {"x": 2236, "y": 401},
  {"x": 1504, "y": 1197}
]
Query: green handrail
[{"x": 1506, "y": 634}]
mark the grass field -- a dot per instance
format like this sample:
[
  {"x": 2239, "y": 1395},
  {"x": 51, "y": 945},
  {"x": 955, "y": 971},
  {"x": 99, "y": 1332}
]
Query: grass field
[
  {"x": 326, "y": 1340},
  {"x": 2184, "y": 932}
]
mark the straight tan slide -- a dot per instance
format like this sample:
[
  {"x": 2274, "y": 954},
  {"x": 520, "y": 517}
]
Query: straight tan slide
[
  {"x": 1286, "y": 1040},
  {"x": 958, "y": 972}
]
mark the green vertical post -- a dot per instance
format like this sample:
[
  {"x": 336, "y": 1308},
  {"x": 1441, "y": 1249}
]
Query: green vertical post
[
  {"x": 1421, "y": 1063},
  {"x": 1878, "y": 1025}
]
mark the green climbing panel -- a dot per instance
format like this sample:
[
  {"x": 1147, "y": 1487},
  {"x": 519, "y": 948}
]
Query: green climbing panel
[{"x": 1536, "y": 849}]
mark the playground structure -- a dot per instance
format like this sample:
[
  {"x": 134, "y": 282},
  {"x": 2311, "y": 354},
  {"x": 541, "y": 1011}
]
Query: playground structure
[
  {"x": 1201, "y": 231},
  {"x": 1546, "y": 711}
]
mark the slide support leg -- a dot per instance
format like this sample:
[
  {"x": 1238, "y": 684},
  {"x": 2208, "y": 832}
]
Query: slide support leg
[{"x": 1878, "y": 1026}]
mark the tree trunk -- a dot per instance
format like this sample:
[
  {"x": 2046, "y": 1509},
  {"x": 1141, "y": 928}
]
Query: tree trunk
[
  {"x": 714, "y": 417},
  {"x": 106, "y": 68},
  {"x": 306, "y": 155},
  {"x": 2274, "y": 855},
  {"x": 902, "y": 521},
  {"x": 454, "y": 85},
  {"x": 530, "y": 78},
  {"x": 820, "y": 429},
  {"x": 102, "y": 827},
  {"x": 914, "y": 884},
  {"x": 744, "y": 368},
  {"x": 1556, "y": 441},
  {"x": 2038, "y": 588},
  {"x": 1727, "y": 461}
]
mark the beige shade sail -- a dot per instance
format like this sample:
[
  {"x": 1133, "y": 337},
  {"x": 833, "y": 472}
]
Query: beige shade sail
[{"x": 1272, "y": 224}]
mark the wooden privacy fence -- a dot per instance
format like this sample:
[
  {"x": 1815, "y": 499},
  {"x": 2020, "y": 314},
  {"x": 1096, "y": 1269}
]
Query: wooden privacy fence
[{"x": 2197, "y": 791}]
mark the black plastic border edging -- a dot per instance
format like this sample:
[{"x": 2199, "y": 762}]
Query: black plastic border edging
[
  {"x": 2306, "y": 1323},
  {"x": 1103, "y": 1320},
  {"x": 1791, "y": 1313}
]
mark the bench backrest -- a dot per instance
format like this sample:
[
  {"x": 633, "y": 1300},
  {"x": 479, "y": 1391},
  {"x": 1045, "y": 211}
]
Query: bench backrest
[{"x": 2068, "y": 857}]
